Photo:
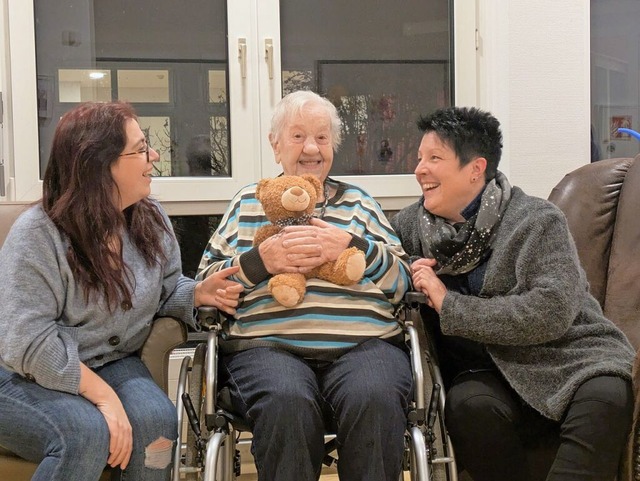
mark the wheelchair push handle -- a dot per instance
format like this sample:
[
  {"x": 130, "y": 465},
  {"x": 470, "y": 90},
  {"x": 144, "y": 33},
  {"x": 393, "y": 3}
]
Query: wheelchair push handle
[
  {"x": 208, "y": 317},
  {"x": 412, "y": 298}
]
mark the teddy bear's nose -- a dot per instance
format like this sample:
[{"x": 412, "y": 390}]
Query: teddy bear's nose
[{"x": 297, "y": 191}]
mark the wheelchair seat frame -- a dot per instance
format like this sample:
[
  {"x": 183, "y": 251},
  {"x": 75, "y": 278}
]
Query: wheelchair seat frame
[{"x": 210, "y": 452}]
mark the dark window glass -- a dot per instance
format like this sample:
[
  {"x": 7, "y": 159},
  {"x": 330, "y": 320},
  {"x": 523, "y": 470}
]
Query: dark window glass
[
  {"x": 193, "y": 233},
  {"x": 615, "y": 77},
  {"x": 169, "y": 61},
  {"x": 381, "y": 63}
]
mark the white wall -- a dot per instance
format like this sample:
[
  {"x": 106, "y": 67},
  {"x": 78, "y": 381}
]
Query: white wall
[{"x": 533, "y": 67}]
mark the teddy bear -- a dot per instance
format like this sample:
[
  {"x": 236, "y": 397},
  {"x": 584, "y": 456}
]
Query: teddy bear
[{"x": 290, "y": 200}]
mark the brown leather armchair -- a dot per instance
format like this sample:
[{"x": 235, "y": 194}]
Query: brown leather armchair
[
  {"x": 601, "y": 202},
  {"x": 166, "y": 334}
]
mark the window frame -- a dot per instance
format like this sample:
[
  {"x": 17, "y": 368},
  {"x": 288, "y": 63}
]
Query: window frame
[{"x": 251, "y": 99}]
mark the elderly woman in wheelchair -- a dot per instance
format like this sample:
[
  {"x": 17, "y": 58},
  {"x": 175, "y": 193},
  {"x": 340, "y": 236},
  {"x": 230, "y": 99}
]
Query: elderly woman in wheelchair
[
  {"x": 336, "y": 361},
  {"x": 526, "y": 352}
]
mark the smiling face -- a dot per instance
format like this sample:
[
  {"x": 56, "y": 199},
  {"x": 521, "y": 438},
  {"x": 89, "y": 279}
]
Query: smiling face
[
  {"x": 304, "y": 145},
  {"x": 447, "y": 186},
  {"x": 132, "y": 173}
]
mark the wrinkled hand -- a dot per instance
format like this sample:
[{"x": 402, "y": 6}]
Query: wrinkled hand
[
  {"x": 120, "y": 432},
  {"x": 302, "y": 248},
  {"x": 426, "y": 281},
  {"x": 218, "y": 291}
]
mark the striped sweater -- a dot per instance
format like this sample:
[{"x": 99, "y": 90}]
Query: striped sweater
[{"x": 331, "y": 318}]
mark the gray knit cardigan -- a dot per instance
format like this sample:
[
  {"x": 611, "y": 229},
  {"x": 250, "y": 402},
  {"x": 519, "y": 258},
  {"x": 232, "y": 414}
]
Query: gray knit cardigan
[
  {"x": 47, "y": 328},
  {"x": 542, "y": 328}
]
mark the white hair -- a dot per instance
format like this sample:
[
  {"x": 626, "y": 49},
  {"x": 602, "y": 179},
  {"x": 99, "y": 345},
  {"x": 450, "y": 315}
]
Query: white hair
[{"x": 293, "y": 103}]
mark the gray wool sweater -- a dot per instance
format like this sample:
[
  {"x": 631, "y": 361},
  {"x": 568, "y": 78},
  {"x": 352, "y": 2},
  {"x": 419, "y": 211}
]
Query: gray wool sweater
[
  {"x": 48, "y": 328},
  {"x": 542, "y": 328}
]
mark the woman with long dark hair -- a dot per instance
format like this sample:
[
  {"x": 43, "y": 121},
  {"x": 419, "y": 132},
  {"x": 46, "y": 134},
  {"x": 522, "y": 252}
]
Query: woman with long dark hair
[{"x": 84, "y": 274}]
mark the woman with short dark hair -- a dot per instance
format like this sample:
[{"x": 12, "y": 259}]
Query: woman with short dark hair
[{"x": 525, "y": 349}]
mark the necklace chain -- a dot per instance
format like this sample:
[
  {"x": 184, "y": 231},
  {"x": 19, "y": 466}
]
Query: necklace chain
[{"x": 326, "y": 199}]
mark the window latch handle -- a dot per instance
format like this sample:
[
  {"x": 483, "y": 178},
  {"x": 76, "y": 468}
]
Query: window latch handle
[
  {"x": 268, "y": 55},
  {"x": 242, "y": 56}
]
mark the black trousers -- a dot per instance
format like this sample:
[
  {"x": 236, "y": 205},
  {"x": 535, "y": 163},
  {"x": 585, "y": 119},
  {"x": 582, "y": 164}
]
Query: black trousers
[{"x": 494, "y": 432}]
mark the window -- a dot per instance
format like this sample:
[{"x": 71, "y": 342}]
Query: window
[
  {"x": 615, "y": 77},
  {"x": 204, "y": 94},
  {"x": 381, "y": 64}
]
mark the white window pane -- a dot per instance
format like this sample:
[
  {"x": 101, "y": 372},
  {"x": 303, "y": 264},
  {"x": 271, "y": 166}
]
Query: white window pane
[{"x": 135, "y": 51}]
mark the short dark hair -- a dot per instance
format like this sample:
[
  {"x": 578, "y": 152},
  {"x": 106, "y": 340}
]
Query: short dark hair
[{"x": 470, "y": 132}]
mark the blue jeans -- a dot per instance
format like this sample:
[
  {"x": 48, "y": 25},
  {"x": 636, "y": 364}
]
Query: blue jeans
[
  {"x": 290, "y": 403},
  {"x": 68, "y": 436}
]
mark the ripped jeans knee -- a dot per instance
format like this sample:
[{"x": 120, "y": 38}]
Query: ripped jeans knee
[{"x": 158, "y": 454}]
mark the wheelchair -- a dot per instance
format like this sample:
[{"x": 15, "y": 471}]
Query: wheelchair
[{"x": 209, "y": 451}]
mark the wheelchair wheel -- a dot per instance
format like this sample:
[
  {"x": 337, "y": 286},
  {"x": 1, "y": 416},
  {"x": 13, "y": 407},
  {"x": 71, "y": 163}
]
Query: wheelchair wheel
[{"x": 197, "y": 388}]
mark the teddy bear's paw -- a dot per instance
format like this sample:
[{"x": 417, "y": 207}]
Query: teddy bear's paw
[
  {"x": 355, "y": 266},
  {"x": 286, "y": 295}
]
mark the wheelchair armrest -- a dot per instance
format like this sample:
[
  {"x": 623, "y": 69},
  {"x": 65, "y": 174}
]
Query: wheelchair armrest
[{"x": 412, "y": 298}]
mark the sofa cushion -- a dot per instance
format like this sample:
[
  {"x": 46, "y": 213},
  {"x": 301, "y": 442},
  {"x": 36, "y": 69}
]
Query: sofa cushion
[
  {"x": 9, "y": 212},
  {"x": 600, "y": 201},
  {"x": 622, "y": 300}
]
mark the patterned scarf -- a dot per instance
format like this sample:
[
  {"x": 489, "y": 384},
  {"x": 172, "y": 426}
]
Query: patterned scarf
[
  {"x": 302, "y": 220},
  {"x": 460, "y": 248}
]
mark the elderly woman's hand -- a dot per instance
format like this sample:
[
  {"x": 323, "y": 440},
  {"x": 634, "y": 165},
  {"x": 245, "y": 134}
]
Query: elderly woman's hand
[
  {"x": 426, "y": 281},
  {"x": 331, "y": 239},
  {"x": 302, "y": 248},
  {"x": 216, "y": 290}
]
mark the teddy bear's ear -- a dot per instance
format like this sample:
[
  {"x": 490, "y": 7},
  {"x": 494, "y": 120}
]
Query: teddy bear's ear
[
  {"x": 261, "y": 185},
  {"x": 314, "y": 181}
]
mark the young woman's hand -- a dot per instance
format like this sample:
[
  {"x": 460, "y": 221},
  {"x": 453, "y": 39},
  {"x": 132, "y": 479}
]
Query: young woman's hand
[
  {"x": 426, "y": 281},
  {"x": 93, "y": 388},
  {"x": 218, "y": 291},
  {"x": 121, "y": 441}
]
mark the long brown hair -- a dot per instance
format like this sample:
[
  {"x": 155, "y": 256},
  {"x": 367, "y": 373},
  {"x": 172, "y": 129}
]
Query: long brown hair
[{"x": 78, "y": 191}]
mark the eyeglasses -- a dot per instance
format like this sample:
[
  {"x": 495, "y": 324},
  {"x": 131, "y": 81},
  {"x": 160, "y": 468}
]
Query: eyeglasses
[{"x": 145, "y": 150}]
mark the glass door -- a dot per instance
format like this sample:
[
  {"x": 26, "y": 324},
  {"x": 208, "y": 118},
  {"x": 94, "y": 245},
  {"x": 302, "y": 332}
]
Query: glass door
[
  {"x": 178, "y": 79},
  {"x": 382, "y": 64}
]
